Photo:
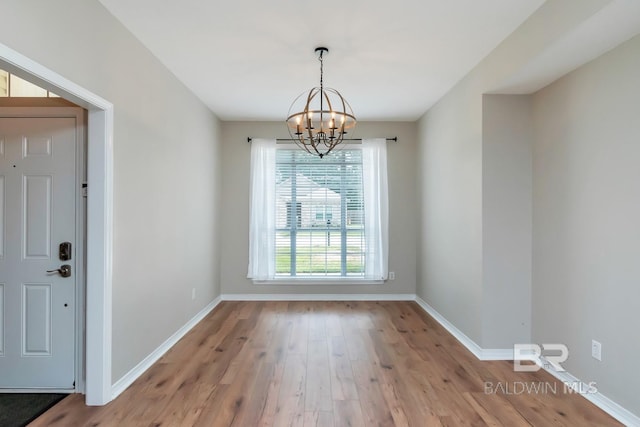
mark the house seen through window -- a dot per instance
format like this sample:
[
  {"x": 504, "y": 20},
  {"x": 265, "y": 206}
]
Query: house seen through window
[{"x": 319, "y": 214}]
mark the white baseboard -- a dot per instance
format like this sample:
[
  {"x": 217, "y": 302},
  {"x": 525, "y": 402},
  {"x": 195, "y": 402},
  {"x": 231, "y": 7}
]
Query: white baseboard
[
  {"x": 40, "y": 390},
  {"x": 123, "y": 383},
  {"x": 318, "y": 297},
  {"x": 607, "y": 405},
  {"x": 479, "y": 352},
  {"x": 497, "y": 354},
  {"x": 612, "y": 408},
  {"x": 621, "y": 414}
]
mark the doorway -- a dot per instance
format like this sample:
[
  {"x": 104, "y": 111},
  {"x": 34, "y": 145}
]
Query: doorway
[{"x": 99, "y": 219}]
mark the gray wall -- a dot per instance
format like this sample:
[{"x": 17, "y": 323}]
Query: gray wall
[
  {"x": 166, "y": 161},
  {"x": 529, "y": 208},
  {"x": 450, "y": 247},
  {"x": 450, "y": 189},
  {"x": 235, "y": 209},
  {"x": 586, "y": 211},
  {"x": 507, "y": 138}
]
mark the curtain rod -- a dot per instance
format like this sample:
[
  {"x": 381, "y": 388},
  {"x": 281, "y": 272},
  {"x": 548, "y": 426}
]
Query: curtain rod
[{"x": 394, "y": 138}]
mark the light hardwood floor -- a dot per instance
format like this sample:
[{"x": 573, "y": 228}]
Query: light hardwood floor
[{"x": 329, "y": 364}]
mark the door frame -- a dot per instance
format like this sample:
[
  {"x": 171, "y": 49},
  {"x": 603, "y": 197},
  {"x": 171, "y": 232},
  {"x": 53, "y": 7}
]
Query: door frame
[
  {"x": 99, "y": 219},
  {"x": 77, "y": 113}
]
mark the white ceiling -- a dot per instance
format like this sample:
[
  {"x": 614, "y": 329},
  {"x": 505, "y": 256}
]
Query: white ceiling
[
  {"x": 248, "y": 59},
  {"x": 616, "y": 22}
]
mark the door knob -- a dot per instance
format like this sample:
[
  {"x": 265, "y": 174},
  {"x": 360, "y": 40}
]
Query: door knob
[{"x": 64, "y": 270}]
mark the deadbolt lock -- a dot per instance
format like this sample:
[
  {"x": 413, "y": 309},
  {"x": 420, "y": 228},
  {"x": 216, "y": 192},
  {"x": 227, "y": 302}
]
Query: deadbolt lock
[{"x": 64, "y": 251}]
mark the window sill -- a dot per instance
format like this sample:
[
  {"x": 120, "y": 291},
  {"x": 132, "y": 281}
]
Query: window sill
[{"x": 321, "y": 282}]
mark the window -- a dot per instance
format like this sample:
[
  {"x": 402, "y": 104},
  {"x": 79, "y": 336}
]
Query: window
[
  {"x": 311, "y": 189},
  {"x": 15, "y": 87},
  {"x": 314, "y": 218}
]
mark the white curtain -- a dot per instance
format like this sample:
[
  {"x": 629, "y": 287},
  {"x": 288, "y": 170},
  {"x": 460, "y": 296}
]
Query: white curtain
[
  {"x": 376, "y": 208},
  {"x": 262, "y": 222}
]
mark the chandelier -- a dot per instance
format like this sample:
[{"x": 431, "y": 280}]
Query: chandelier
[{"x": 321, "y": 123}]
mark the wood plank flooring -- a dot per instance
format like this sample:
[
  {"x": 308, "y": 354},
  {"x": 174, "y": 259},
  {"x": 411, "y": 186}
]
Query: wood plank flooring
[{"x": 329, "y": 364}]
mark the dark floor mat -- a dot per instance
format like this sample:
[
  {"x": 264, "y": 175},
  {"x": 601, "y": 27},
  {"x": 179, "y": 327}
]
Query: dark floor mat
[{"x": 19, "y": 409}]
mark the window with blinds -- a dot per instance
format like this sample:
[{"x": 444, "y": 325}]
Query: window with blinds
[{"x": 319, "y": 214}]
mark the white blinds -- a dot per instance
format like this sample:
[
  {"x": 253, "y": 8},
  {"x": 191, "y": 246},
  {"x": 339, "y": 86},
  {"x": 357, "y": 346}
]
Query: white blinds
[{"x": 319, "y": 214}]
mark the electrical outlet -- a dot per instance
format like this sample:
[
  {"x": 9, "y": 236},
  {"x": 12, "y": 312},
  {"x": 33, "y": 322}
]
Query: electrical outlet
[
  {"x": 392, "y": 275},
  {"x": 193, "y": 293},
  {"x": 596, "y": 350}
]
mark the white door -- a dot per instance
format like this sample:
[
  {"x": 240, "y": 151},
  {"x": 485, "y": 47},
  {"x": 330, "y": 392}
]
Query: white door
[{"x": 37, "y": 213}]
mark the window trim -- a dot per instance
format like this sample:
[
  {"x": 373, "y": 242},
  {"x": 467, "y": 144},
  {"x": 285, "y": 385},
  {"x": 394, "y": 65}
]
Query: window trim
[
  {"x": 312, "y": 281},
  {"x": 294, "y": 229}
]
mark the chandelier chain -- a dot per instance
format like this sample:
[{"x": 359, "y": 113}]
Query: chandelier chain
[
  {"x": 321, "y": 71},
  {"x": 321, "y": 95}
]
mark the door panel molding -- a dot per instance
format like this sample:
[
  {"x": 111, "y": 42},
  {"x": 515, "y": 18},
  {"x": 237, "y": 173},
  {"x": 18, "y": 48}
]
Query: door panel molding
[
  {"x": 2, "y": 310},
  {"x": 36, "y": 319},
  {"x": 36, "y": 228},
  {"x": 36, "y": 147}
]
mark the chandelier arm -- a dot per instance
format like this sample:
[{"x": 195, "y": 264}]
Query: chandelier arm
[
  {"x": 344, "y": 118},
  {"x": 309, "y": 122},
  {"x": 310, "y": 128},
  {"x": 331, "y": 126}
]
